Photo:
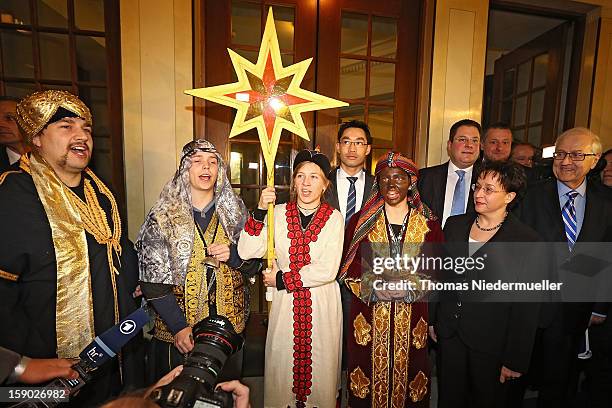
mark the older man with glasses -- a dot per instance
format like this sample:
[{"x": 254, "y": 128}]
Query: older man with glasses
[{"x": 569, "y": 209}]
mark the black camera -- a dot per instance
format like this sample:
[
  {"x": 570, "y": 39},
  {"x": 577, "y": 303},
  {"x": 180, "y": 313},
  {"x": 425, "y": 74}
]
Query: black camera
[{"x": 215, "y": 340}]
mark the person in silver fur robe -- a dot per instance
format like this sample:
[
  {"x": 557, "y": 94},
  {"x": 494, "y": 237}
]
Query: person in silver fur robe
[{"x": 189, "y": 265}]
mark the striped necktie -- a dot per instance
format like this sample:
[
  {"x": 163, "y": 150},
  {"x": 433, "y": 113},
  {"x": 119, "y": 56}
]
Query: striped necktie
[
  {"x": 350, "y": 201},
  {"x": 569, "y": 219}
]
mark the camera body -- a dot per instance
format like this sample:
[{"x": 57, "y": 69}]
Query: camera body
[
  {"x": 186, "y": 391},
  {"x": 215, "y": 340}
]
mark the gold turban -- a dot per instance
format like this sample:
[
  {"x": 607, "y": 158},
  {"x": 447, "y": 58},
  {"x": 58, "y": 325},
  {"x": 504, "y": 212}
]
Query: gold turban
[{"x": 35, "y": 110}]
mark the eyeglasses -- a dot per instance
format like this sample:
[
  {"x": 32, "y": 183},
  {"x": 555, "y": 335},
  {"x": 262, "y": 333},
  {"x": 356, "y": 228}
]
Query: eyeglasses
[
  {"x": 574, "y": 156},
  {"x": 487, "y": 190},
  {"x": 464, "y": 140},
  {"x": 356, "y": 143}
]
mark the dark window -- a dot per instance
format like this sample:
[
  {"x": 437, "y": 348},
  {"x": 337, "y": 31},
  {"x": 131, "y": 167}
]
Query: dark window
[{"x": 71, "y": 45}]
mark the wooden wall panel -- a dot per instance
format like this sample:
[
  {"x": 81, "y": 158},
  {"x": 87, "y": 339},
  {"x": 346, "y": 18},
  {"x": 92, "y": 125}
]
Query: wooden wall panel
[
  {"x": 156, "y": 69},
  {"x": 460, "y": 41},
  {"x": 601, "y": 111}
]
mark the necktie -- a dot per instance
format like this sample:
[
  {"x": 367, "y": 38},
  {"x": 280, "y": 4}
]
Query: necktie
[
  {"x": 350, "y": 201},
  {"x": 458, "y": 206},
  {"x": 569, "y": 219}
]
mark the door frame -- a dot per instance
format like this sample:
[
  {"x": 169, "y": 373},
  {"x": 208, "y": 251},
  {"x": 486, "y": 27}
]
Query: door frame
[
  {"x": 545, "y": 43},
  {"x": 584, "y": 49}
]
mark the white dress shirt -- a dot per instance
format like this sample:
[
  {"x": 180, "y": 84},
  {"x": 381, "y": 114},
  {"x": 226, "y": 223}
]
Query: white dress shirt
[
  {"x": 451, "y": 182},
  {"x": 12, "y": 156},
  {"x": 342, "y": 187}
]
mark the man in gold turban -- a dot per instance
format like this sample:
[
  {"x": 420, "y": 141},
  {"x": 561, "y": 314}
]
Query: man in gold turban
[{"x": 67, "y": 272}]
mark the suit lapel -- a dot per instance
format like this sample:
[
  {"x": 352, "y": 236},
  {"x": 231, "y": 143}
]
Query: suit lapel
[
  {"x": 332, "y": 198},
  {"x": 593, "y": 215},
  {"x": 470, "y": 204},
  {"x": 439, "y": 194},
  {"x": 551, "y": 203},
  {"x": 369, "y": 181}
]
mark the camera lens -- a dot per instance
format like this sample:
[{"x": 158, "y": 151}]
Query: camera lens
[{"x": 215, "y": 340}]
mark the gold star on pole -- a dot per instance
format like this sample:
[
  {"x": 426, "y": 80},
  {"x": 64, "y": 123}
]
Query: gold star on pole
[{"x": 267, "y": 95}]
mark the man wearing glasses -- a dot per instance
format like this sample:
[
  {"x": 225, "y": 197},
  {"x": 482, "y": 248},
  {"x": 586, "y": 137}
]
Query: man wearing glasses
[
  {"x": 446, "y": 188},
  {"x": 567, "y": 209},
  {"x": 349, "y": 189},
  {"x": 351, "y": 184}
]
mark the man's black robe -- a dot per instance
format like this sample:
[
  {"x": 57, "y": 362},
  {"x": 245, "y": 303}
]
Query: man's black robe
[{"x": 27, "y": 306}]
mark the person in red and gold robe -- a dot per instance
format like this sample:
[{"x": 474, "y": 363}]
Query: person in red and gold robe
[{"x": 388, "y": 364}]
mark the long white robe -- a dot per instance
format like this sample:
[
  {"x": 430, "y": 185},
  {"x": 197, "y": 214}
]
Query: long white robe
[{"x": 320, "y": 277}]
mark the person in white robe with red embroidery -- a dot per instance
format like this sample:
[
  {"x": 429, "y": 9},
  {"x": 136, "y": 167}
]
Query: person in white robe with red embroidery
[{"x": 304, "y": 340}]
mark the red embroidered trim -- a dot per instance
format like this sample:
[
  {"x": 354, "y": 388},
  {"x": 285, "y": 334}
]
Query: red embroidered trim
[
  {"x": 253, "y": 227},
  {"x": 299, "y": 256}
]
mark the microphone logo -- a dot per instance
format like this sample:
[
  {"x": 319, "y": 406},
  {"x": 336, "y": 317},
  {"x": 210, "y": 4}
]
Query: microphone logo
[
  {"x": 127, "y": 327},
  {"x": 93, "y": 354}
]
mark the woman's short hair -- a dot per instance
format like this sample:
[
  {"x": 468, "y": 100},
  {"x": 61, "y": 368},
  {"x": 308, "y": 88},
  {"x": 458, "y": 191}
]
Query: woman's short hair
[
  {"x": 293, "y": 193},
  {"x": 510, "y": 176}
]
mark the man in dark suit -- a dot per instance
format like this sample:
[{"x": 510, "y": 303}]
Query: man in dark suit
[
  {"x": 567, "y": 209},
  {"x": 350, "y": 183},
  {"x": 446, "y": 188},
  {"x": 523, "y": 153},
  {"x": 497, "y": 145},
  {"x": 349, "y": 189},
  {"x": 497, "y": 142},
  {"x": 12, "y": 145}
]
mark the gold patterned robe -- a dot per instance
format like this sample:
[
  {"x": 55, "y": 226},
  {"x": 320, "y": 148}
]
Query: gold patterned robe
[
  {"x": 193, "y": 298},
  {"x": 388, "y": 364}
]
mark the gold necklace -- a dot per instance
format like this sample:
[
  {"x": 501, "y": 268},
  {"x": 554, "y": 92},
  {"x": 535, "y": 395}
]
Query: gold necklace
[{"x": 95, "y": 222}]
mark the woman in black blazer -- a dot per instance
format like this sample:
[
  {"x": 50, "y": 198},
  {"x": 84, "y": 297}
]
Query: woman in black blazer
[{"x": 483, "y": 344}]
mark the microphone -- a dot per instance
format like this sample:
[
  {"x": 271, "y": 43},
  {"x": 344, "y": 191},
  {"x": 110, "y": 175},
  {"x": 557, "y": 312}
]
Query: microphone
[
  {"x": 108, "y": 344},
  {"x": 102, "y": 349}
]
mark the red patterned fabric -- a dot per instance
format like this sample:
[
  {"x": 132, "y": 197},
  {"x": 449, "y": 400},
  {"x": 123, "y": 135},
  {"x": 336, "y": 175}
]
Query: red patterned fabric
[
  {"x": 375, "y": 203},
  {"x": 299, "y": 256},
  {"x": 362, "y": 356},
  {"x": 253, "y": 227}
]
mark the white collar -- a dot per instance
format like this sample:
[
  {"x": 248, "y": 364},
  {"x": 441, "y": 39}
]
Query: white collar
[
  {"x": 343, "y": 174},
  {"x": 562, "y": 189},
  {"x": 452, "y": 169},
  {"x": 13, "y": 157}
]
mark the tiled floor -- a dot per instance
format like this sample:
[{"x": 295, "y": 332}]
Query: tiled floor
[
  {"x": 253, "y": 366},
  {"x": 256, "y": 387}
]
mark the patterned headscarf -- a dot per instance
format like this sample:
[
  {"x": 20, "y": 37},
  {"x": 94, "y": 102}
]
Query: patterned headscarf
[
  {"x": 165, "y": 240},
  {"x": 375, "y": 203},
  {"x": 40, "y": 108}
]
